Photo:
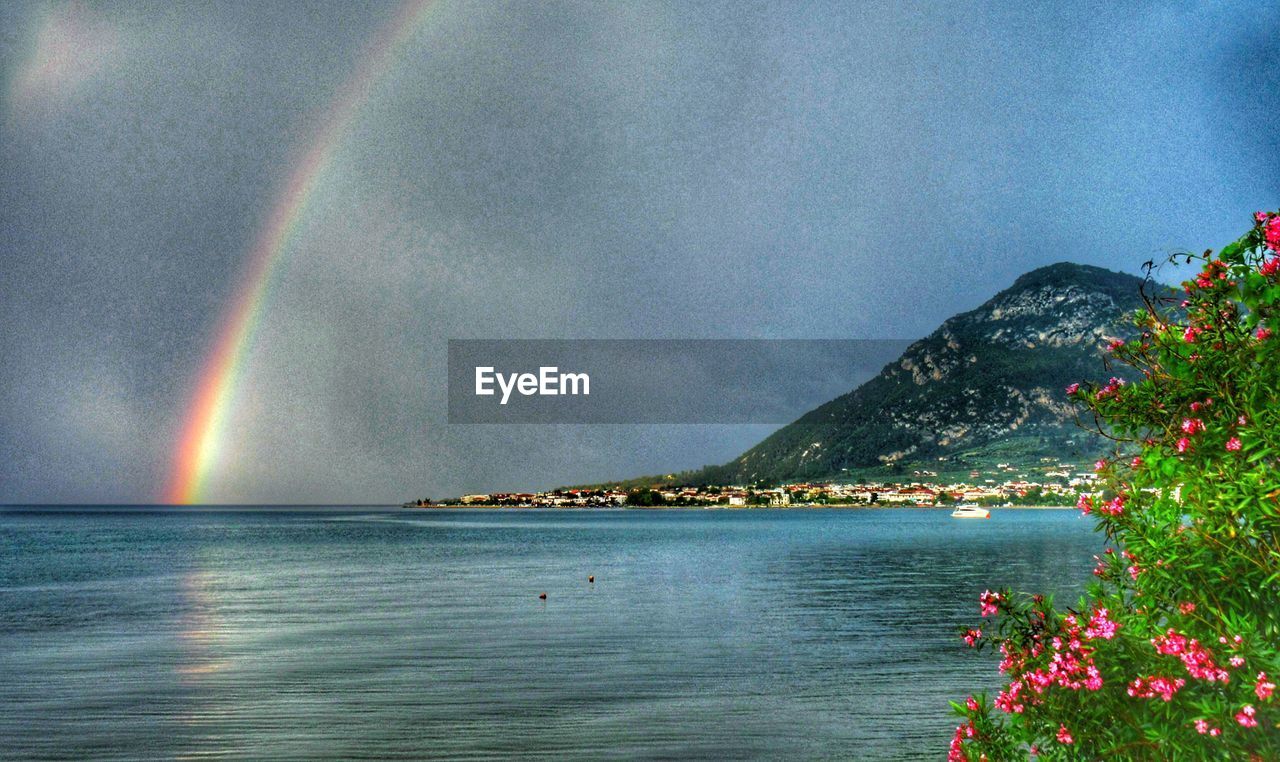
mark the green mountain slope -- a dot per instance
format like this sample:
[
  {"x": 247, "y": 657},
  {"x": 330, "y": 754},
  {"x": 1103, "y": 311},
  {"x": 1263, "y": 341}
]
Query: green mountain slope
[{"x": 987, "y": 385}]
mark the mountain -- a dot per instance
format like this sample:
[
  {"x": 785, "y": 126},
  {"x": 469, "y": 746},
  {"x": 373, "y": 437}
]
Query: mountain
[{"x": 986, "y": 386}]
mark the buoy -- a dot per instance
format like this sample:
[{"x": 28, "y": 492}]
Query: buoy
[
  {"x": 591, "y": 578},
  {"x": 542, "y": 596}
]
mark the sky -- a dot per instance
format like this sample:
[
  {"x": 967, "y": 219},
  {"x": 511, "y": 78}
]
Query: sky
[{"x": 557, "y": 171}]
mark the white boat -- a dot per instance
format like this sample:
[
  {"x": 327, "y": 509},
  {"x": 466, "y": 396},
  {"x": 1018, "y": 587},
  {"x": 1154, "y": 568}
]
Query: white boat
[{"x": 970, "y": 511}]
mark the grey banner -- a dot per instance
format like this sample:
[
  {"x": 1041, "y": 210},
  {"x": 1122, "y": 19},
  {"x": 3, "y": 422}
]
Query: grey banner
[{"x": 655, "y": 381}]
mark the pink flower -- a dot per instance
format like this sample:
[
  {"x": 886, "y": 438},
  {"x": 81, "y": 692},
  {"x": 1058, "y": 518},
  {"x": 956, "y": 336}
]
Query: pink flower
[
  {"x": 1183, "y": 445},
  {"x": 1197, "y": 659},
  {"x": 1150, "y": 687},
  {"x": 1115, "y": 507},
  {"x": 1264, "y": 688},
  {"x": 971, "y": 703},
  {"x": 1260, "y": 217},
  {"x": 1136, "y": 462},
  {"x": 1187, "y": 607},
  {"x": 1007, "y": 700},
  {"x": 971, "y": 636},
  {"x": 1115, "y": 344},
  {"x": 1085, "y": 504},
  {"x": 1246, "y": 716},
  {"x": 1202, "y": 726},
  {"x": 1189, "y": 335},
  {"x": 1270, "y": 267},
  {"x": 1264, "y": 333},
  {"x": 1272, "y": 232},
  {"x": 1100, "y": 626},
  {"x": 1192, "y": 425},
  {"x": 1093, "y": 678},
  {"x": 1064, "y": 736},
  {"x": 1236, "y": 661},
  {"x": 1111, "y": 387},
  {"x": 955, "y": 753},
  {"x": 1072, "y": 389},
  {"x": 1099, "y": 465},
  {"x": 988, "y": 601},
  {"x": 1233, "y": 443}
]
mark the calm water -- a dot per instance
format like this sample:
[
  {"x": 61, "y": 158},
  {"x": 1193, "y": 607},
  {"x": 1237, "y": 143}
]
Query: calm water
[{"x": 377, "y": 634}]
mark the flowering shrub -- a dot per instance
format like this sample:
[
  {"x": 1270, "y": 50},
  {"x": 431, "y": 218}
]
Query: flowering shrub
[{"x": 1174, "y": 652}]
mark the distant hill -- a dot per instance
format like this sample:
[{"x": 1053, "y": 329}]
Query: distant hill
[{"x": 986, "y": 386}]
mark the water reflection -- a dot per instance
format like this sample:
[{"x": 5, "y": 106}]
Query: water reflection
[
  {"x": 705, "y": 635},
  {"x": 202, "y": 628}
]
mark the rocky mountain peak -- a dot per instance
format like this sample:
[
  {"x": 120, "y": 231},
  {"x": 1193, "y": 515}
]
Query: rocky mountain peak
[{"x": 983, "y": 379}]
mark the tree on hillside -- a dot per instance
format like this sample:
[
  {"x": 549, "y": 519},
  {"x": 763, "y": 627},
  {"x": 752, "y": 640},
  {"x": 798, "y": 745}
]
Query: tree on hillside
[{"x": 646, "y": 498}]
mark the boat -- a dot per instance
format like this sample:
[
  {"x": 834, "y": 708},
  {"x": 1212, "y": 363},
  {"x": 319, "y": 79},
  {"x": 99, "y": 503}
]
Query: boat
[{"x": 970, "y": 511}]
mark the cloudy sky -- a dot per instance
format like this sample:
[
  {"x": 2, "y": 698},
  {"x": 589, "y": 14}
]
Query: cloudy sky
[{"x": 551, "y": 170}]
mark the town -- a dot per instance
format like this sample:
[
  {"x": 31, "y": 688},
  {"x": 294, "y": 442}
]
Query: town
[{"x": 1055, "y": 484}]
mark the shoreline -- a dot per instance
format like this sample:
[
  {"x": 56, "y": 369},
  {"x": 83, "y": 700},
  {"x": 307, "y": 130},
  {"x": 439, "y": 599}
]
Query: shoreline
[{"x": 804, "y": 507}]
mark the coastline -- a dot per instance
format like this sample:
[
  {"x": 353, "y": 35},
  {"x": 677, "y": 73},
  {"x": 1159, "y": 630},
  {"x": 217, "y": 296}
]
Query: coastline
[{"x": 739, "y": 508}]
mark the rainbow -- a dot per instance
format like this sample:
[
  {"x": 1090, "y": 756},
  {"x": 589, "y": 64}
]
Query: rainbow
[{"x": 203, "y": 428}]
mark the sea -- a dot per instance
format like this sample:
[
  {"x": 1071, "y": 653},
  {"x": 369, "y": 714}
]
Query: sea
[{"x": 386, "y": 633}]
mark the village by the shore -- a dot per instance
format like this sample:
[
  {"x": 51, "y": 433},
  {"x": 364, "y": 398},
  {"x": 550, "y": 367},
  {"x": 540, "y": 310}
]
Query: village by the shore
[{"x": 1060, "y": 484}]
